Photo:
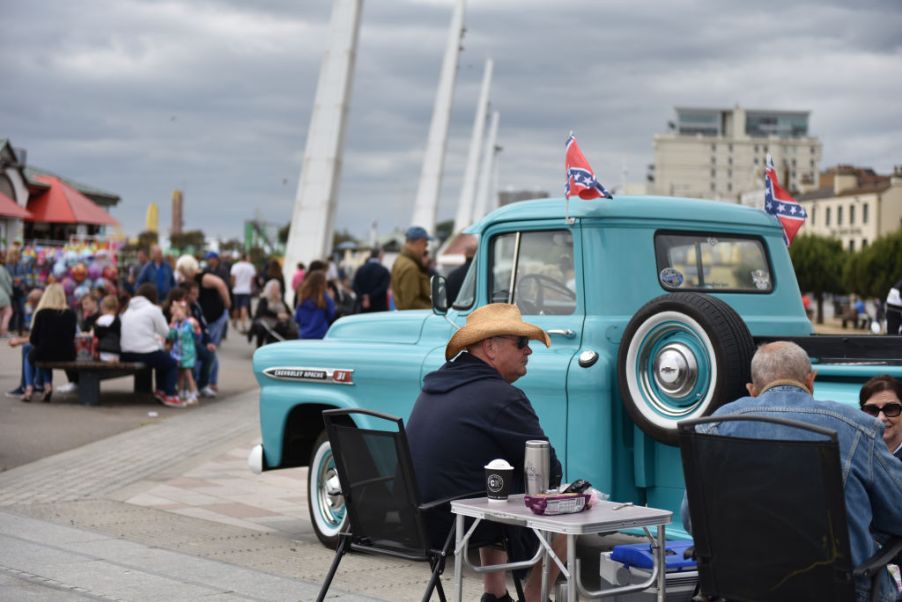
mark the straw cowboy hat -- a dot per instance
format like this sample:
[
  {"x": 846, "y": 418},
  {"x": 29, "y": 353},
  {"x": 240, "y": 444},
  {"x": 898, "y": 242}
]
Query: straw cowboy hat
[{"x": 494, "y": 320}]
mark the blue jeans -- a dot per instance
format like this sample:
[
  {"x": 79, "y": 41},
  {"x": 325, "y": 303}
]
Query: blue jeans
[
  {"x": 203, "y": 366},
  {"x": 216, "y": 328},
  {"x": 32, "y": 376},
  {"x": 165, "y": 367}
]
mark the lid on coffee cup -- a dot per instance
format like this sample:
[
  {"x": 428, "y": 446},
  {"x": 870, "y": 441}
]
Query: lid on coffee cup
[{"x": 498, "y": 464}]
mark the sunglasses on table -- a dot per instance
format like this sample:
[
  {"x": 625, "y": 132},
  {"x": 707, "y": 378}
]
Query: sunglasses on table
[
  {"x": 890, "y": 410},
  {"x": 521, "y": 342}
]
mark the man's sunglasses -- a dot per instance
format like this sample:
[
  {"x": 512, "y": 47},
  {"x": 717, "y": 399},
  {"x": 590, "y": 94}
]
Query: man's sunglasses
[
  {"x": 521, "y": 342},
  {"x": 890, "y": 410}
]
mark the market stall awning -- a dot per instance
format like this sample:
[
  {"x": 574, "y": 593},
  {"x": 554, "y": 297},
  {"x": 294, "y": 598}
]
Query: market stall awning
[
  {"x": 62, "y": 204},
  {"x": 10, "y": 208}
]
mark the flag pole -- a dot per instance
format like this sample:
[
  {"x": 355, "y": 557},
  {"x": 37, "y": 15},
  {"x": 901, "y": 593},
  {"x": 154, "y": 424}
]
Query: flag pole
[{"x": 567, "y": 198}]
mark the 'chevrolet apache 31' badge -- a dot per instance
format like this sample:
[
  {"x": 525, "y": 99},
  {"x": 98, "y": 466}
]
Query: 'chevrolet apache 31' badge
[{"x": 335, "y": 376}]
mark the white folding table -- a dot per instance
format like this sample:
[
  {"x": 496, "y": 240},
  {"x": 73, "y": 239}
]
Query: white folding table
[{"x": 603, "y": 517}]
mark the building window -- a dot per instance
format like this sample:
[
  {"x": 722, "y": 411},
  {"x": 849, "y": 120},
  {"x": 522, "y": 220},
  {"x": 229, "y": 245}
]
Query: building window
[
  {"x": 813, "y": 214},
  {"x": 729, "y": 160},
  {"x": 755, "y": 160},
  {"x": 729, "y": 187},
  {"x": 851, "y": 246},
  {"x": 712, "y": 186},
  {"x": 828, "y": 217},
  {"x": 864, "y": 213},
  {"x": 864, "y": 243},
  {"x": 812, "y": 163},
  {"x": 713, "y": 160},
  {"x": 729, "y": 173},
  {"x": 730, "y": 148},
  {"x": 839, "y": 216},
  {"x": 713, "y": 148},
  {"x": 851, "y": 215},
  {"x": 713, "y": 172},
  {"x": 813, "y": 150}
]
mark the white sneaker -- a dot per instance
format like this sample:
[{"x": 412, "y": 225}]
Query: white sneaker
[
  {"x": 67, "y": 388},
  {"x": 207, "y": 392},
  {"x": 191, "y": 397}
]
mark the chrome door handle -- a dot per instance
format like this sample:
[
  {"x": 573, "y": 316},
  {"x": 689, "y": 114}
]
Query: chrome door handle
[{"x": 564, "y": 332}]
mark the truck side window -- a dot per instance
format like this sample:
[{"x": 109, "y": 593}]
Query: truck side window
[
  {"x": 705, "y": 261},
  {"x": 535, "y": 270}
]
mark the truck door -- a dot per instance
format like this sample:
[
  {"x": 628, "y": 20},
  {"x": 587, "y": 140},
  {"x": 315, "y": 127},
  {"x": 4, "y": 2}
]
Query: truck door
[{"x": 534, "y": 268}]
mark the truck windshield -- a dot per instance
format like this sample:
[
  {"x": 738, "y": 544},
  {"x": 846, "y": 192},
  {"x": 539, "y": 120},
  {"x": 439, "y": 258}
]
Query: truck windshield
[{"x": 705, "y": 261}]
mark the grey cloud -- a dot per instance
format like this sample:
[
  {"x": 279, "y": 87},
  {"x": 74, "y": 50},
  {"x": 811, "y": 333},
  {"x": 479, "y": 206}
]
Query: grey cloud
[{"x": 215, "y": 96}]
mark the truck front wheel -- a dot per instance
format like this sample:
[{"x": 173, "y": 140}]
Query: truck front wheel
[
  {"x": 324, "y": 500},
  {"x": 682, "y": 356}
]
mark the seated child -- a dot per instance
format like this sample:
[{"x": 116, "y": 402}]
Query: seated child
[{"x": 107, "y": 329}]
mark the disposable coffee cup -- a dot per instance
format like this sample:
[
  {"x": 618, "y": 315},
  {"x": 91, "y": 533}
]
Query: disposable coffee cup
[{"x": 499, "y": 476}]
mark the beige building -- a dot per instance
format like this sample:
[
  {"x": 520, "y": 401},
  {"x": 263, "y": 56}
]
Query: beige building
[
  {"x": 720, "y": 153},
  {"x": 854, "y": 205}
]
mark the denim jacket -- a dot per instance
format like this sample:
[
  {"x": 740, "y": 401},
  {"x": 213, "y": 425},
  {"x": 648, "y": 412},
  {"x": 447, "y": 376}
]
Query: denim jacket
[{"x": 872, "y": 477}]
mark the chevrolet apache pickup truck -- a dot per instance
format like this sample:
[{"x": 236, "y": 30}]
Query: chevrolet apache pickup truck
[{"x": 654, "y": 306}]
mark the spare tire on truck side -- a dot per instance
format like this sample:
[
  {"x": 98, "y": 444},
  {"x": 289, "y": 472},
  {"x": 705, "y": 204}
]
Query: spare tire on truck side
[{"x": 682, "y": 356}]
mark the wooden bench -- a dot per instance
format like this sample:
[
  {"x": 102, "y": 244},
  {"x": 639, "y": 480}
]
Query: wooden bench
[{"x": 91, "y": 372}]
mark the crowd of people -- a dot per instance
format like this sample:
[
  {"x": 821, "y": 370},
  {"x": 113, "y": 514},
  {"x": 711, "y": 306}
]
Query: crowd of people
[
  {"x": 170, "y": 315},
  {"x": 173, "y": 314}
]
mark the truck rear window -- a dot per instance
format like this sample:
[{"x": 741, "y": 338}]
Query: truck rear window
[{"x": 705, "y": 261}]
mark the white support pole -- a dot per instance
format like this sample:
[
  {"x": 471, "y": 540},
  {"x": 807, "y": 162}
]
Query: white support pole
[
  {"x": 434, "y": 158},
  {"x": 312, "y": 220},
  {"x": 468, "y": 191},
  {"x": 485, "y": 176}
]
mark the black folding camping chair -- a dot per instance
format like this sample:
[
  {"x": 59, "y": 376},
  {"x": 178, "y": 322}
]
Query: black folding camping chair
[
  {"x": 385, "y": 514},
  {"x": 769, "y": 516}
]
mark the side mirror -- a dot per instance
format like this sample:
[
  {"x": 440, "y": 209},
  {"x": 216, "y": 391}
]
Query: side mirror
[{"x": 439, "y": 295}]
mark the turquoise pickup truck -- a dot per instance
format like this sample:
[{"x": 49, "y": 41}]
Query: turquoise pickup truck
[{"x": 654, "y": 306}]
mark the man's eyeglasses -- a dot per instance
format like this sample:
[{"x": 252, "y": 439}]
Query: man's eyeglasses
[
  {"x": 521, "y": 342},
  {"x": 890, "y": 410}
]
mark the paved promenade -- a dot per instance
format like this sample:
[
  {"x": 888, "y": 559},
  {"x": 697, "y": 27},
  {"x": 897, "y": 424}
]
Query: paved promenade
[{"x": 168, "y": 509}]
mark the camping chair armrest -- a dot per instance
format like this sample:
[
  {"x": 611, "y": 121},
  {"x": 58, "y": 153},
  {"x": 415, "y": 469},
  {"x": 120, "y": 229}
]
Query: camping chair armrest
[
  {"x": 427, "y": 506},
  {"x": 880, "y": 559}
]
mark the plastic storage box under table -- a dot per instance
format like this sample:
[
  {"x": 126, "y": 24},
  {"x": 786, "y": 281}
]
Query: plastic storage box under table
[{"x": 632, "y": 563}]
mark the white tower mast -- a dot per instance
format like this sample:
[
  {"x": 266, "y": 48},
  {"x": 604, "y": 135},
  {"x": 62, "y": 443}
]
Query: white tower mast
[
  {"x": 468, "y": 190},
  {"x": 431, "y": 176},
  {"x": 312, "y": 221},
  {"x": 482, "y": 205}
]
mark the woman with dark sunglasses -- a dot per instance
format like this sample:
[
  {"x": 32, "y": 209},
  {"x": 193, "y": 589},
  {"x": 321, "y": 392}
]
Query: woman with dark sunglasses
[{"x": 880, "y": 397}]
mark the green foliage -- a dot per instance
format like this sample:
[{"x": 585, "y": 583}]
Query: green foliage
[
  {"x": 147, "y": 239},
  {"x": 257, "y": 256},
  {"x": 190, "y": 240},
  {"x": 233, "y": 244},
  {"x": 873, "y": 270},
  {"x": 443, "y": 229},
  {"x": 818, "y": 263},
  {"x": 341, "y": 236},
  {"x": 283, "y": 234}
]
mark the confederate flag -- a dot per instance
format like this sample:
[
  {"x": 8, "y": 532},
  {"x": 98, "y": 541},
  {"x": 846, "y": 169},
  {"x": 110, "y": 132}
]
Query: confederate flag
[
  {"x": 580, "y": 177},
  {"x": 780, "y": 204}
]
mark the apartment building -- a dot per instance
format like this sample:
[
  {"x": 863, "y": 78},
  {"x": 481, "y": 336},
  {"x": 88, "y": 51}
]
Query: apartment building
[
  {"x": 721, "y": 153},
  {"x": 854, "y": 205}
]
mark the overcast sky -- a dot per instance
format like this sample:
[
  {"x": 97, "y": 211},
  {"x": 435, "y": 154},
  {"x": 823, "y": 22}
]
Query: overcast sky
[{"x": 140, "y": 97}]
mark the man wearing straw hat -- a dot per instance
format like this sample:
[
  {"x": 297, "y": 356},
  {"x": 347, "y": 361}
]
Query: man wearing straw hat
[{"x": 468, "y": 414}]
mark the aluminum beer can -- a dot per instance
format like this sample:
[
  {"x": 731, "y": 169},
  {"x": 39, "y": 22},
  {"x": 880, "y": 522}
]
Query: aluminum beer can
[{"x": 537, "y": 466}]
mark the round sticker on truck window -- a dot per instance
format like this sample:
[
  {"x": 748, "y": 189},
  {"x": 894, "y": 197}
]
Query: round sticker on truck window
[{"x": 671, "y": 278}]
